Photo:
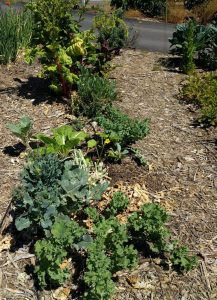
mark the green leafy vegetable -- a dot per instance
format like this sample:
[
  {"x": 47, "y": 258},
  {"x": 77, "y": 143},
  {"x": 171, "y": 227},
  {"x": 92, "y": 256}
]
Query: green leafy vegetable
[{"x": 22, "y": 130}]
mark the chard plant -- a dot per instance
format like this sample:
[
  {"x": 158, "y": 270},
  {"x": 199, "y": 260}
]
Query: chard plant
[
  {"x": 62, "y": 141},
  {"x": 112, "y": 32},
  {"x": 59, "y": 44}
]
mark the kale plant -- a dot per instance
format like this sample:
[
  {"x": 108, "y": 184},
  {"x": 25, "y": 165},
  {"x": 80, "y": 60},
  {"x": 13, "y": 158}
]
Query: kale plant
[
  {"x": 128, "y": 130},
  {"x": 37, "y": 199}
]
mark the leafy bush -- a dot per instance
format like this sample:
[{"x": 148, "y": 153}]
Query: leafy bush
[
  {"x": 15, "y": 33},
  {"x": 151, "y": 7},
  {"x": 62, "y": 48},
  {"x": 192, "y": 40},
  {"x": 149, "y": 225},
  {"x": 189, "y": 4},
  {"x": 49, "y": 187},
  {"x": 52, "y": 253},
  {"x": 147, "y": 229},
  {"x": 112, "y": 32},
  {"x": 118, "y": 204},
  {"x": 78, "y": 189},
  {"x": 208, "y": 55},
  {"x": 202, "y": 91},
  {"x": 95, "y": 93},
  {"x": 187, "y": 64},
  {"x": 128, "y": 130},
  {"x": 181, "y": 35},
  {"x": 37, "y": 199},
  {"x": 181, "y": 259},
  {"x": 187, "y": 40}
]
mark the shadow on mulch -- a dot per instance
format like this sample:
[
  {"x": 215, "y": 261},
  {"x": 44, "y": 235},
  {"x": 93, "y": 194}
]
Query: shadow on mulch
[
  {"x": 171, "y": 63},
  {"x": 14, "y": 150},
  {"x": 36, "y": 89}
]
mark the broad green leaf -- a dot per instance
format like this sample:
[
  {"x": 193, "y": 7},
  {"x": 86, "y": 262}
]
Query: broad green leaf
[
  {"x": 45, "y": 139},
  {"x": 81, "y": 135},
  {"x": 91, "y": 143},
  {"x": 22, "y": 223}
]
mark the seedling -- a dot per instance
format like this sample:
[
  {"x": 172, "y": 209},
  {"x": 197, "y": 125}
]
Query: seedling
[{"x": 22, "y": 130}]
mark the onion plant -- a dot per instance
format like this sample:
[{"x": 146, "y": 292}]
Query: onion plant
[{"x": 15, "y": 33}]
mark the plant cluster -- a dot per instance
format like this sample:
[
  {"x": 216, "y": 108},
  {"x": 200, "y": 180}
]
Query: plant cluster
[
  {"x": 94, "y": 94},
  {"x": 194, "y": 42},
  {"x": 151, "y": 7},
  {"x": 127, "y": 130},
  {"x": 64, "y": 50},
  {"x": 202, "y": 91},
  {"x": 112, "y": 32},
  {"x": 58, "y": 203},
  {"x": 189, "y": 4},
  {"x": 15, "y": 33}
]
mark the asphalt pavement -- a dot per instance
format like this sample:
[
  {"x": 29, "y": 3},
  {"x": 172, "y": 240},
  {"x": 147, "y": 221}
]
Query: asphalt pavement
[{"x": 151, "y": 36}]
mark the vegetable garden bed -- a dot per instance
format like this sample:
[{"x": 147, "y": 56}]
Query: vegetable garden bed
[{"x": 180, "y": 175}]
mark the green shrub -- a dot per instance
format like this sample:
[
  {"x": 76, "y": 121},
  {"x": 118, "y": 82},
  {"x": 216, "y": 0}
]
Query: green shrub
[
  {"x": 112, "y": 32},
  {"x": 37, "y": 199},
  {"x": 189, "y": 48},
  {"x": 15, "y": 33},
  {"x": 192, "y": 41},
  {"x": 95, "y": 93},
  {"x": 202, "y": 91},
  {"x": 208, "y": 55},
  {"x": 118, "y": 204},
  {"x": 50, "y": 186},
  {"x": 189, "y": 4},
  {"x": 128, "y": 130},
  {"x": 151, "y": 7},
  {"x": 51, "y": 253},
  {"x": 187, "y": 40}
]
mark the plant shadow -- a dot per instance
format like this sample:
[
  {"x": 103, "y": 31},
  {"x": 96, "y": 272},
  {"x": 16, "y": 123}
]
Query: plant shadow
[
  {"x": 37, "y": 91},
  {"x": 170, "y": 63},
  {"x": 14, "y": 150}
]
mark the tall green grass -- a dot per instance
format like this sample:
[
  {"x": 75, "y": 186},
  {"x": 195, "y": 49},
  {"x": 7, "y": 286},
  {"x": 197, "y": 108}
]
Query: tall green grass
[{"x": 15, "y": 33}]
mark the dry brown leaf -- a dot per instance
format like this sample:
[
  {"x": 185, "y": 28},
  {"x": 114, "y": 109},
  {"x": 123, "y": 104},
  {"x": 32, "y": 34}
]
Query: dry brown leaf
[
  {"x": 65, "y": 264},
  {"x": 61, "y": 293},
  {"x": 6, "y": 243}
]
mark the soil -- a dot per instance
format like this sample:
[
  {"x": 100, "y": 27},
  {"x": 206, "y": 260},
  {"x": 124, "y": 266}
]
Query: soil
[{"x": 181, "y": 170}]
